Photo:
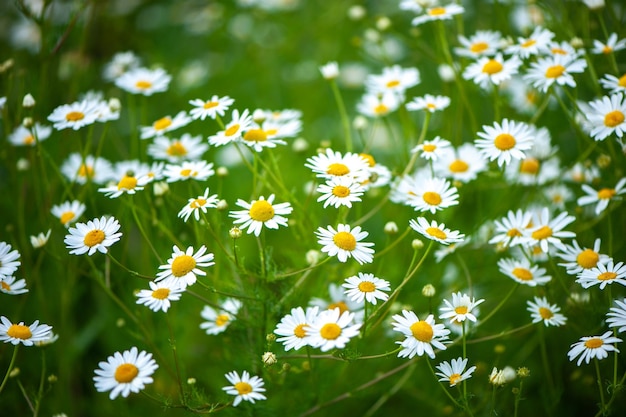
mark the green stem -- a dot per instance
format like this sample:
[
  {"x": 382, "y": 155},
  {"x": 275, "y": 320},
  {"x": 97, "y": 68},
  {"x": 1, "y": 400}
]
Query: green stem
[
  {"x": 6, "y": 376},
  {"x": 599, "y": 380},
  {"x": 181, "y": 391},
  {"x": 141, "y": 229},
  {"x": 445, "y": 391},
  {"x": 345, "y": 121},
  {"x": 499, "y": 306}
]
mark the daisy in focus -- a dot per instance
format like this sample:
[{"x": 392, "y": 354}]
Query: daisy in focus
[
  {"x": 555, "y": 69},
  {"x": 579, "y": 259},
  {"x": 460, "y": 309},
  {"x": 548, "y": 232},
  {"x": 421, "y": 335},
  {"x": 182, "y": 267},
  {"x": 68, "y": 212},
  {"x": 218, "y": 320},
  {"x": 433, "y": 194},
  {"x": 541, "y": 310},
  {"x": 520, "y": 270},
  {"x": 366, "y": 287},
  {"x": 125, "y": 372},
  {"x": 294, "y": 328},
  {"x": 607, "y": 116},
  {"x": 9, "y": 259},
  {"x": 199, "y": 204},
  {"x": 492, "y": 71},
  {"x": 454, "y": 371},
  {"x": 159, "y": 296},
  {"x": 603, "y": 275},
  {"x": 75, "y": 115},
  {"x": 213, "y": 107},
  {"x": 95, "y": 235},
  {"x": 616, "y": 317},
  {"x": 233, "y": 131},
  {"x": 19, "y": 333},
  {"x": 12, "y": 286},
  {"x": 245, "y": 388},
  {"x": 332, "y": 329},
  {"x": 438, "y": 13},
  {"x": 259, "y": 213},
  {"x": 602, "y": 197},
  {"x": 164, "y": 125},
  {"x": 611, "y": 45},
  {"x": 504, "y": 142},
  {"x": 593, "y": 347},
  {"x": 144, "y": 81},
  {"x": 435, "y": 231},
  {"x": 345, "y": 242},
  {"x": 332, "y": 164},
  {"x": 433, "y": 149},
  {"x": 511, "y": 229},
  {"x": 340, "y": 191}
]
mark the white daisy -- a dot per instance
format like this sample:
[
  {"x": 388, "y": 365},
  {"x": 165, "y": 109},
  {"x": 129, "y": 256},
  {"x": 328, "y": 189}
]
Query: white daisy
[
  {"x": 75, "y": 115},
  {"x": 433, "y": 149},
  {"x": 11, "y": 285},
  {"x": 537, "y": 42},
  {"x": 481, "y": 43},
  {"x": 23, "y": 136},
  {"x": 379, "y": 104},
  {"x": 558, "y": 194},
  {"x": 603, "y": 196},
  {"x": 555, "y": 69},
  {"x": 583, "y": 173},
  {"x": 164, "y": 125},
  {"x": 563, "y": 48},
  {"x": 182, "y": 267},
  {"x": 186, "y": 148},
  {"x": 213, "y": 107},
  {"x": 487, "y": 71},
  {"x": 611, "y": 45},
  {"x": 520, "y": 270},
  {"x": 217, "y": 321},
  {"x": 546, "y": 232},
  {"x": 294, "y": 328},
  {"x": 420, "y": 335},
  {"x": 269, "y": 135},
  {"x": 333, "y": 164},
  {"x": 259, "y": 213},
  {"x": 40, "y": 240},
  {"x": 340, "y": 191},
  {"x": 345, "y": 242},
  {"x": 379, "y": 175},
  {"x": 616, "y": 317},
  {"x": 511, "y": 229},
  {"x": 196, "y": 205},
  {"x": 603, "y": 275},
  {"x": 541, "y": 310},
  {"x": 125, "y": 372},
  {"x": 20, "y": 333},
  {"x": 462, "y": 164},
  {"x": 454, "y": 372},
  {"x": 330, "y": 70},
  {"x": 366, "y": 287},
  {"x": 433, "y": 194},
  {"x": 428, "y": 103},
  {"x": 159, "y": 296},
  {"x": 506, "y": 141},
  {"x": 121, "y": 63},
  {"x": 436, "y": 231},
  {"x": 95, "y": 235},
  {"x": 593, "y": 347},
  {"x": 144, "y": 81},
  {"x": 245, "y": 388},
  {"x": 128, "y": 183},
  {"x": 394, "y": 79},
  {"x": 332, "y": 329},
  {"x": 607, "y": 116},
  {"x": 614, "y": 84},
  {"x": 195, "y": 170},
  {"x": 68, "y": 212},
  {"x": 90, "y": 168},
  {"x": 579, "y": 259},
  {"x": 460, "y": 309},
  {"x": 233, "y": 131},
  {"x": 438, "y": 13},
  {"x": 8, "y": 259}
]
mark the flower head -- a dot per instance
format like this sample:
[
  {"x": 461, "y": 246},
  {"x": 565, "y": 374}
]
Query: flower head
[
  {"x": 218, "y": 320},
  {"x": 420, "y": 335},
  {"x": 245, "y": 388},
  {"x": 259, "y": 213},
  {"x": 159, "y": 296},
  {"x": 541, "y": 310},
  {"x": 435, "y": 231},
  {"x": 487, "y": 71},
  {"x": 454, "y": 372},
  {"x": 182, "y": 267},
  {"x": 520, "y": 270},
  {"x": 603, "y": 196},
  {"x": 16, "y": 333},
  {"x": 340, "y": 191},
  {"x": 616, "y": 317},
  {"x": 607, "y": 116},
  {"x": 144, "y": 81},
  {"x": 8, "y": 259},
  {"x": 506, "y": 141},
  {"x": 12, "y": 285},
  {"x": 95, "y": 235},
  {"x": 68, "y": 212},
  {"x": 548, "y": 232},
  {"x": 332, "y": 329},
  {"x": 603, "y": 275},
  {"x": 366, "y": 287},
  {"x": 460, "y": 309},
  {"x": 75, "y": 115},
  {"x": 125, "y": 372},
  {"x": 345, "y": 242},
  {"x": 213, "y": 107},
  {"x": 294, "y": 328},
  {"x": 592, "y": 347}
]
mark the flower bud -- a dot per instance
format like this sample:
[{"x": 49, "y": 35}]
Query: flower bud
[
  {"x": 28, "y": 101},
  {"x": 391, "y": 228},
  {"x": 269, "y": 359},
  {"x": 235, "y": 233}
]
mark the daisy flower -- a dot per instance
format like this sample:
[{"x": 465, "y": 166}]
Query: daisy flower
[
  {"x": 454, "y": 372},
  {"x": 159, "y": 296},
  {"x": 125, "y": 372},
  {"x": 537, "y": 42},
  {"x": 614, "y": 84},
  {"x": 546, "y": 232},
  {"x": 583, "y": 173},
  {"x": 332, "y": 330},
  {"x": 579, "y": 259},
  {"x": 68, "y": 212},
  {"x": 558, "y": 194},
  {"x": 429, "y": 103},
  {"x": 366, "y": 287},
  {"x": 603, "y": 274},
  {"x": 603, "y": 196},
  {"x": 20, "y": 333},
  {"x": 128, "y": 183},
  {"x": 555, "y": 69},
  {"x": 607, "y": 117},
  {"x": 164, "y": 125},
  {"x": 541, "y": 310},
  {"x": 245, "y": 388},
  {"x": 333, "y": 164},
  {"x": 520, "y": 270},
  {"x": 511, "y": 229},
  {"x": 433, "y": 149},
  {"x": 144, "y": 81},
  {"x": 90, "y": 168},
  {"x": 218, "y": 320},
  {"x": 199, "y": 204},
  {"x": 182, "y": 267},
  {"x": 460, "y": 308},
  {"x": 23, "y": 136},
  {"x": 438, "y": 13},
  {"x": 195, "y": 170},
  {"x": 345, "y": 242},
  {"x": 593, "y": 347},
  {"x": 213, "y": 107},
  {"x": 187, "y": 148},
  {"x": 612, "y": 45},
  {"x": 232, "y": 133},
  {"x": 433, "y": 194},
  {"x": 95, "y": 235},
  {"x": 269, "y": 135},
  {"x": 330, "y": 70},
  {"x": 421, "y": 335},
  {"x": 481, "y": 43},
  {"x": 436, "y": 231},
  {"x": 506, "y": 141},
  {"x": 487, "y": 71},
  {"x": 394, "y": 79},
  {"x": 563, "y": 48},
  {"x": 261, "y": 213},
  {"x": 75, "y": 115},
  {"x": 379, "y": 104},
  {"x": 8, "y": 259},
  {"x": 40, "y": 240},
  {"x": 462, "y": 164},
  {"x": 616, "y": 317},
  {"x": 379, "y": 175},
  {"x": 339, "y": 299},
  {"x": 294, "y": 328},
  {"x": 11, "y": 285},
  {"x": 121, "y": 63},
  {"x": 340, "y": 191}
]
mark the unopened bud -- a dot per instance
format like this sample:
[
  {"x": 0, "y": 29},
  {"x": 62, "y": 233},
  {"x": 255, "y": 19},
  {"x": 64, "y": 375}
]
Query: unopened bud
[
  {"x": 417, "y": 244},
  {"x": 222, "y": 172},
  {"x": 27, "y": 122},
  {"x": 312, "y": 257},
  {"x": 115, "y": 105},
  {"x": 235, "y": 233},
  {"x": 222, "y": 205},
  {"x": 391, "y": 228},
  {"x": 269, "y": 359},
  {"x": 28, "y": 101},
  {"x": 383, "y": 23},
  {"x": 428, "y": 291}
]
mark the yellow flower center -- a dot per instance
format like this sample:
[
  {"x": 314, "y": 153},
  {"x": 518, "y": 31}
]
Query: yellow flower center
[
  {"x": 429, "y": 147},
  {"x": 337, "y": 169},
  {"x": 458, "y": 166},
  {"x": 522, "y": 274},
  {"x": 182, "y": 265},
  {"x": 513, "y": 233},
  {"x": 607, "y": 276},
  {"x": 330, "y": 331},
  {"x": 222, "y": 320},
  {"x": 461, "y": 310},
  {"x": 299, "y": 331},
  {"x": 478, "y": 47},
  {"x": 185, "y": 172},
  {"x": 177, "y": 149},
  {"x": 261, "y": 211},
  {"x": 543, "y": 232},
  {"x": 143, "y": 85},
  {"x": 243, "y": 388},
  {"x": 127, "y": 183},
  {"x": 528, "y": 43},
  {"x": 162, "y": 123},
  {"x": 607, "y": 49},
  {"x": 161, "y": 293},
  {"x": 436, "y": 232},
  {"x": 606, "y": 193},
  {"x": 5, "y": 286},
  {"x": 504, "y": 141},
  {"x": 19, "y": 331},
  {"x": 85, "y": 171},
  {"x": 93, "y": 238},
  {"x": 197, "y": 203},
  {"x": 29, "y": 140},
  {"x": 622, "y": 81},
  {"x": 613, "y": 118},
  {"x": 559, "y": 51},
  {"x": 74, "y": 116},
  {"x": 454, "y": 378},
  {"x": 545, "y": 313},
  {"x": 531, "y": 96},
  {"x": 232, "y": 130},
  {"x": 555, "y": 71},
  {"x": 126, "y": 372},
  {"x": 422, "y": 331},
  {"x": 255, "y": 135},
  {"x": 492, "y": 67},
  {"x": 530, "y": 166},
  {"x": 587, "y": 259},
  {"x": 369, "y": 158},
  {"x": 432, "y": 198},
  {"x": 367, "y": 286},
  {"x": 437, "y": 11},
  {"x": 67, "y": 217},
  {"x": 341, "y": 191},
  {"x": 345, "y": 241},
  {"x": 381, "y": 109},
  {"x": 393, "y": 83},
  {"x": 210, "y": 104},
  {"x": 594, "y": 343},
  {"x": 342, "y": 306}
]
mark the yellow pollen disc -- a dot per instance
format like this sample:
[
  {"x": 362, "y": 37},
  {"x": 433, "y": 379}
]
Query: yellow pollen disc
[
  {"x": 492, "y": 67},
  {"x": 29, "y": 140},
  {"x": 606, "y": 193},
  {"x": 513, "y": 233},
  {"x": 545, "y": 313},
  {"x": 74, "y": 116},
  {"x": 454, "y": 378},
  {"x": 126, "y": 372},
  {"x": 523, "y": 274},
  {"x": 531, "y": 96},
  {"x": 299, "y": 331},
  {"x": 261, "y": 211},
  {"x": 622, "y": 81},
  {"x": 330, "y": 331},
  {"x": 255, "y": 135},
  {"x": 337, "y": 169},
  {"x": 437, "y": 11},
  {"x": 197, "y": 203},
  {"x": 478, "y": 47},
  {"x": 594, "y": 343},
  {"x": 381, "y": 109},
  {"x": 127, "y": 183},
  {"x": 431, "y": 106},
  {"x": 530, "y": 166},
  {"x": 210, "y": 104},
  {"x": 393, "y": 83},
  {"x": 345, "y": 241},
  {"x": 504, "y": 142},
  {"x": 162, "y": 123},
  {"x": 422, "y": 331},
  {"x": 543, "y": 232},
  {"x": 222, "y": 320},
  {"x": 367, "y": 286},
  {"x": 461, "y": 310},
  {"x": 458, "y": 166},
  {"x": 429, "y": 147},
  {"x": 177, "y": 149},
  {"x": 85, "y": 171},
  {"x": 369, "y": 158},
  {"x": 587, "y": 259},
  {"x": 232, "y": 130},
  {"x": 182, "y": 265},
  {"x": 161, "y": 293},
  {"x": 341, "y": 191},
  {"x": 94, "y": 237},
  {"x": 185, "y": 172},
  {"x": 613, "y": 118},
  {"x": 342, "y": 306},
  {"x": 141, "y": 84},
  {"x": 243, "y": 388},
  {"x": 607, "y": 276},
  {"x": 5, "y": 286},
  {"x": 19, "y": 331},
  {"x": 555, "y": 71},
  {"x": 607, "y": 49},
  {"x": 436, "y": 232},
  {"x": 271, "y": 132},
  {"x": 559, "y": 51},
  {"x": 431, "y": 198},
  {"x": 67, "y": 217},
  {"x": 528, "y": 43}
]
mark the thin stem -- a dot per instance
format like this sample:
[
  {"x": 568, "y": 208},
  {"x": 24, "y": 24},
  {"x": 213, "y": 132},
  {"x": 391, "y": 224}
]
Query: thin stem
[
  {"x": 499, "y": 306},
  {"x": 6, "y": 376},
  {"x": 599, "y": 380},
  {"x": 181, "y": 391},
  {"x": 343, "y": 114},
  {"x": 141, "y": 229},
  {"x": 445, "y": 391}
]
